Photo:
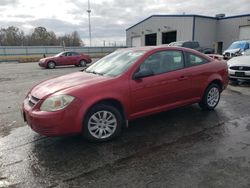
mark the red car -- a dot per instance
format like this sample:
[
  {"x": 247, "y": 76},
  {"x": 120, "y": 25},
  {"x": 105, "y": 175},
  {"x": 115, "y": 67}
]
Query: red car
[
  {"x": 127, "y": 84},
  {"x": 65, "y": 58}
]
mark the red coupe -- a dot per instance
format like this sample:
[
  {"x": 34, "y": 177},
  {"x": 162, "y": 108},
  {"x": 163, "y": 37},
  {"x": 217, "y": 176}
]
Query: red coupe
[
  {"x": 127, "y": 84},
  {"x": 65, "y": 58}
]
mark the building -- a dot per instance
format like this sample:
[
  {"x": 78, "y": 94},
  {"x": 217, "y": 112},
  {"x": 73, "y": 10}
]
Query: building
[{"x": 217, "y": 32}]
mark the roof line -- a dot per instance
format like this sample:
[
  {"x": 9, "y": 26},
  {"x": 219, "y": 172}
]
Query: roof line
[
  {"x": 186, "y": 15},
  {"x": 236, "y": 16}
]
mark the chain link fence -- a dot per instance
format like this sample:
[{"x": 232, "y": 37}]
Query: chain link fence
[{"x": 34, "y": 53}]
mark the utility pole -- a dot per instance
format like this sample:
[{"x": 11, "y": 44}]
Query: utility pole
[{"x": 89, "y": 11}]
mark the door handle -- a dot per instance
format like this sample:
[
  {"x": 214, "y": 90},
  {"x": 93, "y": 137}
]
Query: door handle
[{"x": 183, "y": 78}]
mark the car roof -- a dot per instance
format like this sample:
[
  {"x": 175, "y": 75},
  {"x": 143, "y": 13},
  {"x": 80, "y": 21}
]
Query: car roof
[
  {"x": 164, "y": 47},
  {"x": 69, "y": 51},
  {"x": 161, "y": 47}
]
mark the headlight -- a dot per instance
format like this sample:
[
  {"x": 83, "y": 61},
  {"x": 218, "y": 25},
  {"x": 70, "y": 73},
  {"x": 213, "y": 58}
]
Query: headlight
[{"x": 56, "y": 103}]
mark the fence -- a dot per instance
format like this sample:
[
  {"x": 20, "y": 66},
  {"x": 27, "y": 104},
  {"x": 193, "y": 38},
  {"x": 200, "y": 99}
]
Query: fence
[{"x": 34, "y": 53}]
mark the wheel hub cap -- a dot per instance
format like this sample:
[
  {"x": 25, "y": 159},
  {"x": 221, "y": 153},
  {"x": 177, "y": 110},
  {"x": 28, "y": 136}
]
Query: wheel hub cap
[
  {"x": 213, "y": 97},
  {"x": 102, "y": 124}
]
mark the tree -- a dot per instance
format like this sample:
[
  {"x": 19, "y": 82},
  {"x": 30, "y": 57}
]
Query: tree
[
  {"x": 40, "y": 36},
  {"x": 52, "y": 39},
  {"x": 11, "y": 36},
  {"x": 76, "y": 40}
]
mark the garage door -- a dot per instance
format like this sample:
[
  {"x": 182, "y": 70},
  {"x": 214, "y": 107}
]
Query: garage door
[
  {"x": 136, "y": 41},
  {"x": 244, "y": 32}
]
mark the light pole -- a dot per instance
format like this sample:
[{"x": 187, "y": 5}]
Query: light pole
[{"x": 89, "y": 11}]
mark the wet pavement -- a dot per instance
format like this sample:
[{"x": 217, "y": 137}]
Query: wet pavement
[{"x": 186, "y": 147}]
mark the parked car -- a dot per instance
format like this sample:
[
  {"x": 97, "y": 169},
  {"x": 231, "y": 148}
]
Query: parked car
[
  {"x": 193, "y": 45},
  {"x": 236, "y": 49},
  {"x": 65, "y": 58},
  {"x": 216, "y": 56},
  {"x": 239, "y": 67},
  {"x": 126, "y": 84}
]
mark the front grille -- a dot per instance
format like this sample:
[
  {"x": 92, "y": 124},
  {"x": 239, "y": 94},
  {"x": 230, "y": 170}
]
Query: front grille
[
  {"x": 32, "y": 100},
  {"x": 240, "y": 68}
]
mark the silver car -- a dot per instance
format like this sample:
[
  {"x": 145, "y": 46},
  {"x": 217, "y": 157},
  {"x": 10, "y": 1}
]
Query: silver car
[{"x": 239, "y": 67}]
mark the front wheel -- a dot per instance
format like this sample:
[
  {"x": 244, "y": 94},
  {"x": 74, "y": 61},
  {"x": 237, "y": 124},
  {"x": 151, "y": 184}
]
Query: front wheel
[
  {"x": 51, "y": 65},
  {"x": 211, "y": 97},
  {"x": 102, "y": 123}
]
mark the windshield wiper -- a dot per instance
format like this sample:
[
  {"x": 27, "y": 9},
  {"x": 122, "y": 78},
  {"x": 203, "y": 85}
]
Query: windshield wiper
[{"x": 93, "y": 72}]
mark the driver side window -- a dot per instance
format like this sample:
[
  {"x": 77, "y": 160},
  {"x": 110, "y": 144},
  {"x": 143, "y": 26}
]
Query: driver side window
[{"x": 164, "y": 61}]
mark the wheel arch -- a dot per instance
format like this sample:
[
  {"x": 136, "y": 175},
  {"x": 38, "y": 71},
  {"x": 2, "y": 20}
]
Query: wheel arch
[
  {"x": 218, "y": 82},
  {"x": 214, "y": 80},
  {"x": 112, "y": 102},
  {"x": 82, "y": 59},
  {"x": 51, "y": 61}
]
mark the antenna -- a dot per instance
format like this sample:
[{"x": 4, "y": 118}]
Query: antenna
[{"x": 89, "y": 11}]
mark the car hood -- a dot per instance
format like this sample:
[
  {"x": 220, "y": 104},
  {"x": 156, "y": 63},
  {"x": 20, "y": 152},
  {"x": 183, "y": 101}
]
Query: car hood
[
  {"x": 64, "y": 82},
  {"x": 239, "y": 61},
  {"x": 232, "y": 50}
]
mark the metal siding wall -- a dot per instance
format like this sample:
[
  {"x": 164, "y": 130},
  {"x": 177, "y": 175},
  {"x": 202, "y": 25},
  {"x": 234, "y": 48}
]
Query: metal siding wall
[
  {"x": 183, "y": 26},
  {"x": 228, "y": 29},
  {"x": 205, "y": 31}
]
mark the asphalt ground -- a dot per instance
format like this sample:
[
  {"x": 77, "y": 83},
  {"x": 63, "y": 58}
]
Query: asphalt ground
[{"x": 185, "y": 147}]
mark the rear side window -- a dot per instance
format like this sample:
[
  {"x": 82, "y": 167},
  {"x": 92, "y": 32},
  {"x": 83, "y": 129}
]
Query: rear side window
[
  {"x": 74, "y": 53},
  {"x": 193, "y": 60},
  {"x": 164, "y": 61}
]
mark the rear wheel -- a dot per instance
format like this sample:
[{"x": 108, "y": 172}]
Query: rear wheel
[
  {"x": 51, "y": 65},
  {"x": 211, "y": 97},
  {"x": 83, "y": 63},
  {"x": 102, "y": 123}
]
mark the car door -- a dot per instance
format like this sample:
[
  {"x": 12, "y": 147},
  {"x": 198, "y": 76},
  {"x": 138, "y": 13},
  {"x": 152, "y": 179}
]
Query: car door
[
  {"x": 69, "y": 60},
  {"x": 169, "y": 86},
  {"x": 63, "y": 59},
  {"x": 74, "y": 58}
]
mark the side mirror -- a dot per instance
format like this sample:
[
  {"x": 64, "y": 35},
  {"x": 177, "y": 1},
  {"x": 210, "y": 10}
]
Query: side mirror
[{"x": 143, "y": 73}]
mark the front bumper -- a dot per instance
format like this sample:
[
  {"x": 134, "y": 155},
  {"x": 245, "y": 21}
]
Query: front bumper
[
  {"x": 62, "y": 122},
  {"x": 239, "y": 74},
  {"x": 41, "y": 64}
]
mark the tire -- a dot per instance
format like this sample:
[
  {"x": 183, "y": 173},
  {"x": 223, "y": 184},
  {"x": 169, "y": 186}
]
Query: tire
[
  {"x": 82, "y": 63},
  {"x": 210, "y": 98},
  {"x": 51, "y": 65},
  {"x": 96, "y": 123}
]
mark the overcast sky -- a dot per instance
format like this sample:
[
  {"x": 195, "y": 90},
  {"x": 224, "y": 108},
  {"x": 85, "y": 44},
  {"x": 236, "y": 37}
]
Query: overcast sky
[{"x": 109, "y": 18}]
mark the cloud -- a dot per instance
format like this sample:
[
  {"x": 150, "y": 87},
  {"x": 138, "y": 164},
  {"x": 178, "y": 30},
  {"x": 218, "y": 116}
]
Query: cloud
[
  {"x": 109, "y": 18},
  {"x": 9, "y": 2}
]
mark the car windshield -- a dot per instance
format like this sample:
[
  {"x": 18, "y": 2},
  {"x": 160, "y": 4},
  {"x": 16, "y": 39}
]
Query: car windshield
[
  {"x": 57, "y": 55},
  {"x": 236, "y": 45},
  {"x": 115, "y": 63}
]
